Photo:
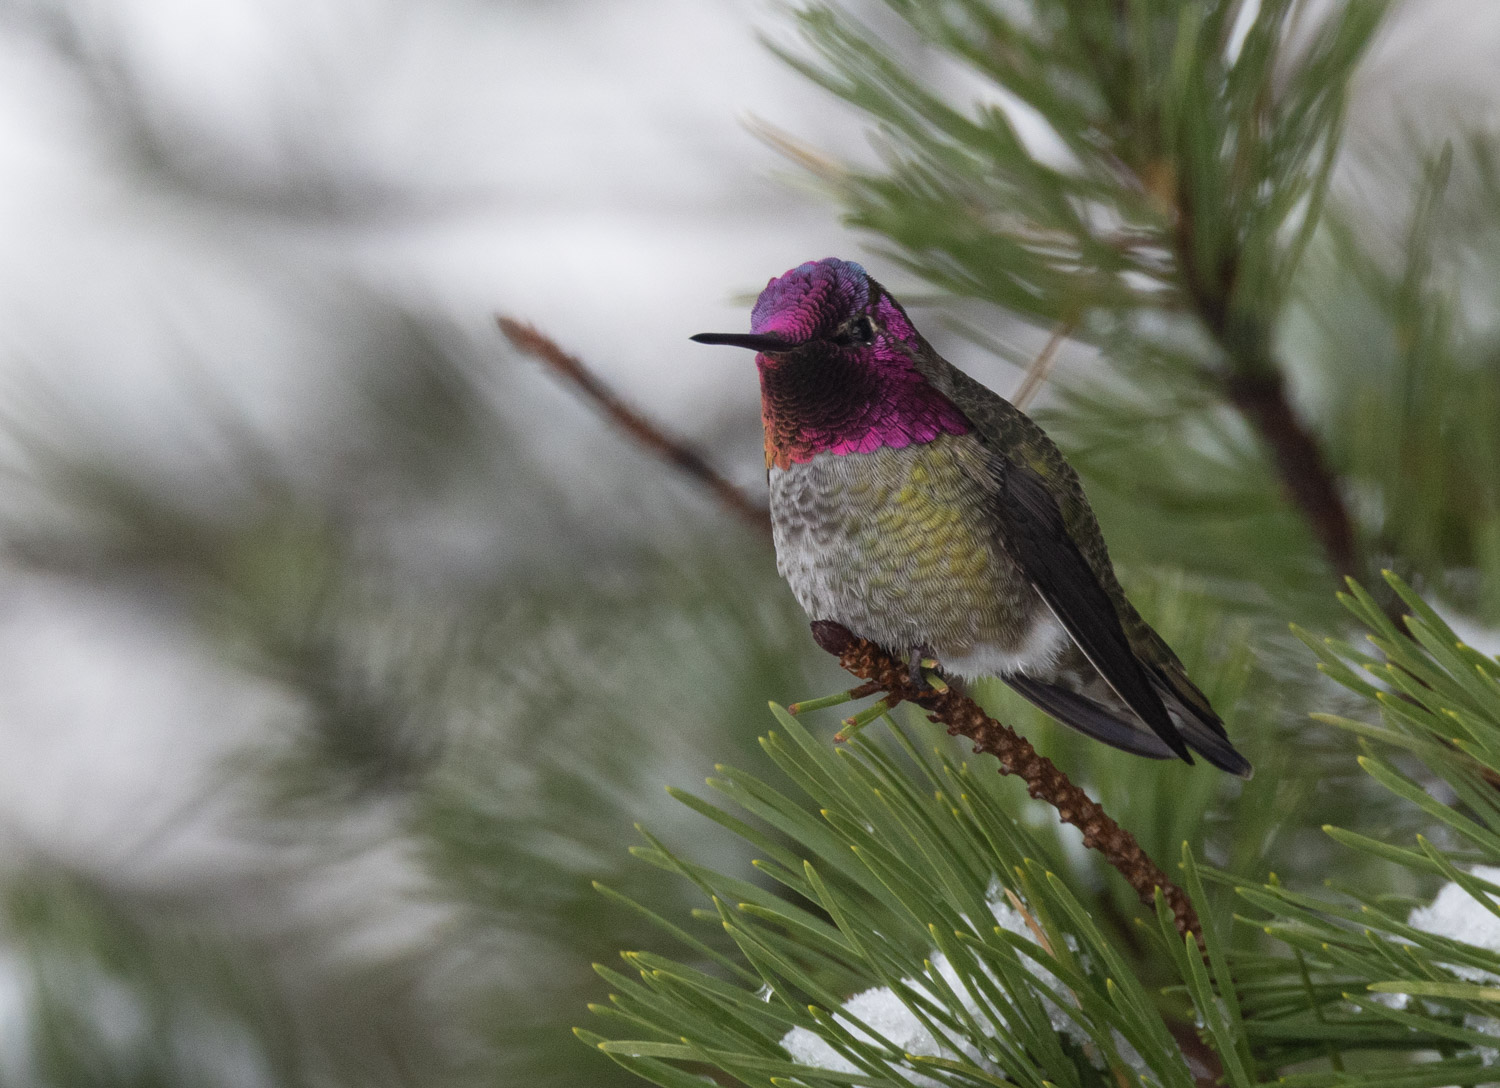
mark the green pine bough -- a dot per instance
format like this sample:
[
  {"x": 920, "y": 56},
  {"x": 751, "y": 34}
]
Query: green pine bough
[{"x": 905, "y": 924}]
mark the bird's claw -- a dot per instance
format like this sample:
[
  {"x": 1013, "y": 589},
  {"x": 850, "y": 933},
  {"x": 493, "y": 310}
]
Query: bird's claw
[{"x": 918, "y": 674}]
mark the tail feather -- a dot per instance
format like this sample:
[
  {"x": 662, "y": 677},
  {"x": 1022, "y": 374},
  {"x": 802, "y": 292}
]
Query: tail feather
[
  {"x": 1091, "y": 718},
  {"x": 1195, "y": 720},
  {"x": 1200, "y": 726}
]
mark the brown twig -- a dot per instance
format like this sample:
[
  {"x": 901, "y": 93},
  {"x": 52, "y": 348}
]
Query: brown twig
[
  {"x": 1041, "y": 367},
  {"x": 1256, "y": 389},
  {"x": 826, "y": 169},
  {"x": 1044, "y": 781},
  {"x": 674, "y": 450},
  {"x": 1310, "y": 484},
  {"x": 1204, "y": 1063}
]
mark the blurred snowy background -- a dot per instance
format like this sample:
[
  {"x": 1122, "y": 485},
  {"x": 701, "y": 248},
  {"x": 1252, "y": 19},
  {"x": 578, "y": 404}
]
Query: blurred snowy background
[{"x": 296, "y": 548}]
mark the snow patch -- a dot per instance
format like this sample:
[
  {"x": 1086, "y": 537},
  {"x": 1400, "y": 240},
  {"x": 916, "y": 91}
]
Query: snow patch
[
  {"x": 1457, "y": 915},
  {"x": 882, "y": 1018}
]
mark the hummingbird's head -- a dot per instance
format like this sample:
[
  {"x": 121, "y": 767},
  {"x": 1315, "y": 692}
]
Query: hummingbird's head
[
  {"x": 838, "y": 366},
  {"x": 827, "y": 307}
]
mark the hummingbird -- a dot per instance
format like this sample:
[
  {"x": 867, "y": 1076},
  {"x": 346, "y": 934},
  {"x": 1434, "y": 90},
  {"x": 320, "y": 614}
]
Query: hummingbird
[{"x": 928, "y": 514}]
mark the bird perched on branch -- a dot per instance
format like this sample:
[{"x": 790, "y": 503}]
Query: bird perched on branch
[{"x": 922, "y": 511}]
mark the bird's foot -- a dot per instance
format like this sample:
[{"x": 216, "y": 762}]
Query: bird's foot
[{"x": 917, "y": 671}]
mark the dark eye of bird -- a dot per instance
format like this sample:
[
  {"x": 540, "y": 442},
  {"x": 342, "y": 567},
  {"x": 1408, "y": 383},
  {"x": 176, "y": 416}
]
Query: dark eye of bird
[{"x": 860, "y": 331}]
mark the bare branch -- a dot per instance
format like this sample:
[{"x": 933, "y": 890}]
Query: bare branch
[
  {"x": 1041, "y": 366},
  {"x": 670, "y": 448},
  {"x": 1310, "y": 484},
  {"x": 816, "y": 163}
]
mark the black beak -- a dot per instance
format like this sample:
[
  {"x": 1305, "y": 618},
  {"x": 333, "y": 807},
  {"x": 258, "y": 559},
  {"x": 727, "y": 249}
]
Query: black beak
[{"x": 753, "y": 341}]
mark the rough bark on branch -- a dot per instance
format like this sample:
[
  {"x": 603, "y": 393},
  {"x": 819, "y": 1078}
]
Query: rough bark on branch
[{"x": 1044, "y": 780}]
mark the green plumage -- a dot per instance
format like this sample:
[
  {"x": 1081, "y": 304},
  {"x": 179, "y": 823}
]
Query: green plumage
[{"x": 1009, "y": 433}]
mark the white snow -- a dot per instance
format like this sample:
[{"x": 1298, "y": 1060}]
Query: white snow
[
  {"x": 891, "y": 1021},
  {"x": 1457, "y": 915},
  {"x": 1488, "y": 1025}
]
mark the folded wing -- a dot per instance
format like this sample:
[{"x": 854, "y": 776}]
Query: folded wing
[{"x": 1035, "y": 536}]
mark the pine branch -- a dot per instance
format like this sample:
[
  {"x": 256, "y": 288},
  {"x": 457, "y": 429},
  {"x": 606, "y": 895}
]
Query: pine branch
[
  {"x": 1044, "y": 781},
  {"x": 1256, "y": 389},
  {"x": 1310, "y": 484},
  {"x": 611, "y": 405}
]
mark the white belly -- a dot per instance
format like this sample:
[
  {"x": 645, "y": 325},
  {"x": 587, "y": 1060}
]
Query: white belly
[{"x": 1038, "y": 655}]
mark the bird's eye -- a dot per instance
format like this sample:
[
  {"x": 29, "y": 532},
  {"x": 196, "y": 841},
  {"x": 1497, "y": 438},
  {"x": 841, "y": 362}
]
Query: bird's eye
[{"x": 860, "y": 331}]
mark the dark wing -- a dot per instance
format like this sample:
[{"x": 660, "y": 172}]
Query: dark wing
[
  {"x": 1014, "y": 440},
  {"x": 1115, "y": 728},
  {"x": 1036, "y": 537},
  {"x": 1088, "y": 717},
  {"x": 1198, "y": 723}
]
